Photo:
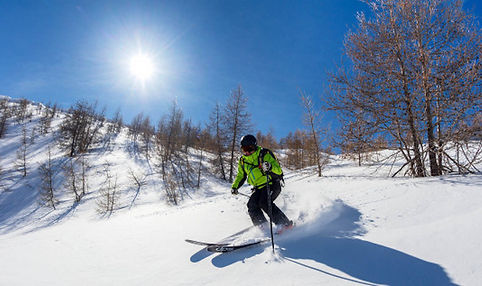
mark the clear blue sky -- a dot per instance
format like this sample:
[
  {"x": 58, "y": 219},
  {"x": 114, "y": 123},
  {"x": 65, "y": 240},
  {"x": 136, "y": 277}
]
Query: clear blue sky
[{"x": 63, "y": 51}]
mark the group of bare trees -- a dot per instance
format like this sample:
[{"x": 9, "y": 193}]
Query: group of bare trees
[
  {"x": 48, "y": 114},
  {"x": 171, "y": 148},
  {"x": 414, "y": 79},
  {"x": 175, "y": 139},
  {"x": 179, "y": 146},
  {"x": 141, "y": 132},
  {"x": 301, "y": 151},
  {"x": 80, "y": 129},
  {"x": 178, "y": 143},
  {"x": 78, "y": 132},
  {"x": 19, "y": 112},
  {"x": 175, "y": 148}
]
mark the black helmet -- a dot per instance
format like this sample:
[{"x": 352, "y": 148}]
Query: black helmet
[
  {"x": 248, "y": 144},
  {"x": 248, "y": 140}
]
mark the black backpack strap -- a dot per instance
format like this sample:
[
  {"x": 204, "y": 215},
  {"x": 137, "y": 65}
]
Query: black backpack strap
[
  {"x": 261, "y": 156},
  {"x": 245, "y": 176},
  {"x": 262, "y": 153}
]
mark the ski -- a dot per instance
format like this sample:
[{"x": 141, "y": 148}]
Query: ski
[
  {"x": 204, "y": 243},
  {"x": 228, "y": 248}
]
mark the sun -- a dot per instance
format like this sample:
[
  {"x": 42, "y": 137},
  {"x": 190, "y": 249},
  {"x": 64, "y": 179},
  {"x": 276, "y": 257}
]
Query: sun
[{"x": 141, "y": 67}]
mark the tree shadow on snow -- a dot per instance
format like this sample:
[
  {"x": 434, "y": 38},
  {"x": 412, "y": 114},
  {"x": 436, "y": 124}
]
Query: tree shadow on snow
[
  {"x": 330, "y": 241},
  {"x": 17, "y": 205}
]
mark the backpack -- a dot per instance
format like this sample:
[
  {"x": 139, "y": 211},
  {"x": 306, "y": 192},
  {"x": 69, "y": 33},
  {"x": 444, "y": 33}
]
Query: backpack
[{"x": 262, "y": 153}]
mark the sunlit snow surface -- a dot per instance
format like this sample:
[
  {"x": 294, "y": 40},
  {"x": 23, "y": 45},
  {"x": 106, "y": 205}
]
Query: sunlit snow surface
[{"x": 354, "y": 226}]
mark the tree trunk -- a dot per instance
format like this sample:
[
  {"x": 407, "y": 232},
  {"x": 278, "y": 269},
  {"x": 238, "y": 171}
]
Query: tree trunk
[
  {"x": 419, "y": 169},
  {"x": 432, "y": 149}
]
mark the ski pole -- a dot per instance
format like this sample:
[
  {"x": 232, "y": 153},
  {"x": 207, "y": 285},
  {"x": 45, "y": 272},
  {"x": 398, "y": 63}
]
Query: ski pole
[
  {"x": 270, "y": 210},
  {"x": 244, "y": 194}
]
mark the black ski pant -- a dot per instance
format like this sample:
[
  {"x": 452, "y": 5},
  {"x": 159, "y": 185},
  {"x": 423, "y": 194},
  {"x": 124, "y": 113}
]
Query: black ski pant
[{"x": 258, "y": 202}]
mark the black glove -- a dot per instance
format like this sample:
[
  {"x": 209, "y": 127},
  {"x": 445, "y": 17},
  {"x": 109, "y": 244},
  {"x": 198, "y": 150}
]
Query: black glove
[
  {"x": 266, "y": 166},
  {"x": 234, "y": 191}
]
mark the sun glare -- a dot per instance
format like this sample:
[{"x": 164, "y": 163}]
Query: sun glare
[{"x": 142, "y": 67}]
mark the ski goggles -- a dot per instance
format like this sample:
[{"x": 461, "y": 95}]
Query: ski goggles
[{"x": 248, "y": 150}]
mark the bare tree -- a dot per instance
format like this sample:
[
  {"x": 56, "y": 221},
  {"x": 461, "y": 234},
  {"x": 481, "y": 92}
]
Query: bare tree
[
  {"x": 189, "y": 137},
  {"x": 5, "y": 114},
  {"x": 168, "y": 138},
  {"x": 171, "y": 189},
  {"x": 22, "y": 153},
  {"x": 135, "y": 129},
  {"x": 46, "y": 120},
  {"x": 76, "y": 177},
  {"x": 312, "y": 118},
  {"x": 84, "y": 168},
  {"x": 33, "y": 135},
  {"x": 109, "y": 193},
  {"x": 219, "y": 143},
  {"x": 147, "y": 133},
  {"x": 139, "y": 181},
  {"x": 72, "y": 182},
  {"x": 237, "y": 121},
  {"x": 47, "y": 187},
  {"x": 202, "y": 140}
]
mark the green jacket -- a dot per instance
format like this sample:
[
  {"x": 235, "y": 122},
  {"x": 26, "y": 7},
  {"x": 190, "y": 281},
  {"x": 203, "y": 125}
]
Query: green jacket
[{"x": 249, "y": 168}]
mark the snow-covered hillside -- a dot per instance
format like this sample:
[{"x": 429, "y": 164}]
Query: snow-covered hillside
[{"x": 354, "y": 226}]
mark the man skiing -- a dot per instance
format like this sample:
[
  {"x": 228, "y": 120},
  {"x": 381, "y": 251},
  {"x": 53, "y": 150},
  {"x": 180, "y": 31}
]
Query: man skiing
[{"x": 255, "y": 165}]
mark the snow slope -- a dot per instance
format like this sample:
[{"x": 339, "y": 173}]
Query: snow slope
[
  {"x": 355, "y": 226},
  {"x": 357, "y": 230}
]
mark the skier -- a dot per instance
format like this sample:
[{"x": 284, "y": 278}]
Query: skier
[{"x": 255, "y": 165}]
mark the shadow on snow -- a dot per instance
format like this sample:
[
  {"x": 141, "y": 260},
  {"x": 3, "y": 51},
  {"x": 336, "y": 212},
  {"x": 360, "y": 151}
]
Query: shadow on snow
[{"x": 330, "y": 241}]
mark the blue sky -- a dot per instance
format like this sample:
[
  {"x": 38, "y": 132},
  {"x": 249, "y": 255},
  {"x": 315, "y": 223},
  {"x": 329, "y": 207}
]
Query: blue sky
[{"x": 63, "y": 51}]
